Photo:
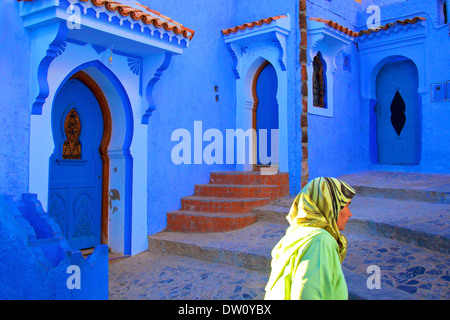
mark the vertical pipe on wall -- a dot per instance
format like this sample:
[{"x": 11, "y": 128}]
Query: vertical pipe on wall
[{"x": 304, "y": 92}]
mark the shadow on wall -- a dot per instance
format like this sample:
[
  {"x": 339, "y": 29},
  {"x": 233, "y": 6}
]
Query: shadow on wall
[{"x": 36, "y": 262}]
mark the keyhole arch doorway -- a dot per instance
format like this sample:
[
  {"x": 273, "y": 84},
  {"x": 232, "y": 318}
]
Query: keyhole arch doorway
[
  {"x": 398, "y": 112},
  {"x": 265, "y": 111}
]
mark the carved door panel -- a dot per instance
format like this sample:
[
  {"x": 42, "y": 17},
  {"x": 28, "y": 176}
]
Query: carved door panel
[
  {"x": 75, "y": 166},
  {"x": 397, "y": 114}
]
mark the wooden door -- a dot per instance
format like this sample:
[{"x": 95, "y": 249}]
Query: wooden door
[
  {"x": 75, "y": 179},
  {"x": 397, "y": 114}
]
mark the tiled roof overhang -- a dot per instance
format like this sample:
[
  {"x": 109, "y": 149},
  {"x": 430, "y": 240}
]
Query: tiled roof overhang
[
  {"x": 146, "y": 15},
  {"x": 391, "y": 25},
  {"x": 251, "y": 25},
  {"x": 354, "y": 34}
]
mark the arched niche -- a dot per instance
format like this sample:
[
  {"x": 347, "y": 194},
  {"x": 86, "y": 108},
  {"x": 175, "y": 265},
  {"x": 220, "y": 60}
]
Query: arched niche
[{"x": 324, "y": 42}]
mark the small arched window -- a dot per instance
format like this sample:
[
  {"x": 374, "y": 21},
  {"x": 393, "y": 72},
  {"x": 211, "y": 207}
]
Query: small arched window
[
  {"x": 444, "y": 9},
  {"x": 319, "y": 82},
  {"x": 72, "y": 144}
]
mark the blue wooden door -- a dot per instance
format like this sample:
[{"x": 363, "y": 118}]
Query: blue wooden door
[
  {"x": 267, "y": 111},
  {"x": 397, "y": 114},
  {"x": 75, "y": 176}
]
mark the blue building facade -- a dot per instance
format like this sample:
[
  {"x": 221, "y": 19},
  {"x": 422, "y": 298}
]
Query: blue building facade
[{"x": 361, "y": 85}]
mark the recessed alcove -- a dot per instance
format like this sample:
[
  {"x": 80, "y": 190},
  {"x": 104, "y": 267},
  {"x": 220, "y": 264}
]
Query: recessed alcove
[{"x": 324, "y": 45}]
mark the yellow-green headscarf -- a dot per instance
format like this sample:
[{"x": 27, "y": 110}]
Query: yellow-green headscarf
[{"x": 318, "y": 205}]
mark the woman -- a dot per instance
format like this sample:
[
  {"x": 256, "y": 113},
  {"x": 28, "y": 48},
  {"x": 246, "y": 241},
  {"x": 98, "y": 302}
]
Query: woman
[{"x": 306, "y": 262}]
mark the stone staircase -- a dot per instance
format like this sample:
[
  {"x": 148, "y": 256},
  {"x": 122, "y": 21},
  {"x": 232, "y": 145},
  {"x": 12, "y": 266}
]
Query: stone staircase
[
  {"x": 400, "y": 225},
  {"x": 226, "y": 203}
]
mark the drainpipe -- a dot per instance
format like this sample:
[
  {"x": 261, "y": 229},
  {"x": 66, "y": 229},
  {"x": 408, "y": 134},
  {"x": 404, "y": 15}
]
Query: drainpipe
[{"x": 304, "y": 92}]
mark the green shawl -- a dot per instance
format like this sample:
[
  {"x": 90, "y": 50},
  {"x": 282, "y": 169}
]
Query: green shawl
[{"x": 306, "y": 262}]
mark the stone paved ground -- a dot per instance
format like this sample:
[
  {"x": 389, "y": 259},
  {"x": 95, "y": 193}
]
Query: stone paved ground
[
  {"x": 153, "y": 276},
  {"x": 400, "y": 223},
  {"x": 157, "y": 276},
  {"x": 412, "y": 269}
]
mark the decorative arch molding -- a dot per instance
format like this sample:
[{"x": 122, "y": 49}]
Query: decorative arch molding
[
  {"x": 254, "y": 92},
  {"x": 54, "y": 36},
  {"x": 377, "y": 49},
  {"x": 251, "y": 45},
  {"x": 418, "y": 58},
  {"x": 101, "y": 99},
  {"x": 146, "y": 38},
  {"x": 151, "y": 85}
]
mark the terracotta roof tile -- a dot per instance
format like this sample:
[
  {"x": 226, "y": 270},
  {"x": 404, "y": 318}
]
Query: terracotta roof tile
[
  {"x": 136, "y": 14},
  {"x": 251, "y": 25},
  {"x": 160, "y": 21},
  {"x": 336, "y": 26},
  {"x": 392, "y": 24},
  {"x": 368, "y": 31}
]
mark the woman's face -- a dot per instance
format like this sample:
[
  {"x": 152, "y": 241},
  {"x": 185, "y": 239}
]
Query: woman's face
[{"x": 343, "y": 217}]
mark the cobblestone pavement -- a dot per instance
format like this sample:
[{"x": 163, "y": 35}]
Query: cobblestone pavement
[
  {"x": 415, "y": 270},
  {"x": 154, "y": 276},
  {"x": 157, "y": 276}
]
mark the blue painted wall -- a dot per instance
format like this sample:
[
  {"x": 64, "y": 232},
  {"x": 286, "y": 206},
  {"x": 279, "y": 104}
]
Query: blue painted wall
[
  {"x": 36, "y": 262},
  {"x": 186, "y": 94},
  {"x": 14, "y": 108},
  {"x": 334, "y": 143},
  {"x": 435, "y": 155}
]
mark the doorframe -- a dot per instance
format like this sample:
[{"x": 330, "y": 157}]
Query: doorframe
[
  {"x": 370, "y": 100},
  {"x": 382, "y": 64},
  {"x": 103, "y": 149},
  {"x": 254, "y": 93},
  {"x": 255, "y": 108}
]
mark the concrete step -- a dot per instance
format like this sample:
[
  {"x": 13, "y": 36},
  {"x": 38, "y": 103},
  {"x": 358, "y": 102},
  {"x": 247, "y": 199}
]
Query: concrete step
[
  {"x": 422, "y": 223},
  {"x": 239, "y": 191},
  {"x": 250, "y": 178},
  {"x": 197, "y": 221},
  {"x": 401, "y": 185},
  {"x": 247, "y": 248},
  {"x": 225, "y": 205},
  {"x": 408, "y": 272}
]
